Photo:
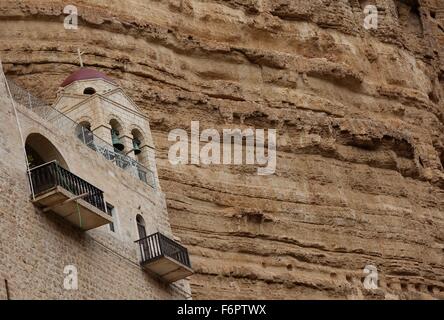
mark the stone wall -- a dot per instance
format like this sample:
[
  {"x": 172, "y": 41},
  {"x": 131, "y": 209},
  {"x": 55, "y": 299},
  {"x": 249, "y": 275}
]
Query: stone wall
[
  {"x": 359, "y": 115},
  {"x": 35, "y": 247}
]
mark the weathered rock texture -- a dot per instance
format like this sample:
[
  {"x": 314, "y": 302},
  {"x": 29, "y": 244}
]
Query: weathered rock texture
[{"x": 360, "y": 117}]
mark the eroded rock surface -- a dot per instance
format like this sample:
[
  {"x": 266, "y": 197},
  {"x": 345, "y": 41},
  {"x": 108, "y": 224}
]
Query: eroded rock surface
[{"x": 360, "y": 118}]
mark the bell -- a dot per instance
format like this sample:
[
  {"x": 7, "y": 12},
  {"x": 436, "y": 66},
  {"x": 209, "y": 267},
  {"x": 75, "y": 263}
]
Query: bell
[
  {"x": 116, "y": 140},
  {"x": 136, "y": 147}
]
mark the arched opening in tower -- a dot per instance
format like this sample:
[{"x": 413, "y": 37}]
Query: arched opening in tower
[{"x": 40, "y": 150}]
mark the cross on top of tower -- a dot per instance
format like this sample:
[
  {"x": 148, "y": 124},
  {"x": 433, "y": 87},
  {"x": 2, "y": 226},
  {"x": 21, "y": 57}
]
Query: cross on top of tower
[{"x": 80, "y": 57}]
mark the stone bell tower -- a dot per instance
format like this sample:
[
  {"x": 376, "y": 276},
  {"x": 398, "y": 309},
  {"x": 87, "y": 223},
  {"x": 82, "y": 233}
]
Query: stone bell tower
[{"x": 106, "y": 114}]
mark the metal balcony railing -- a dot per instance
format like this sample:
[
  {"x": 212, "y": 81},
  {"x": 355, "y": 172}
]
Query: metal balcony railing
[
  {"x": 47, "y": 177},
  {"x": 157, "y": 246}
]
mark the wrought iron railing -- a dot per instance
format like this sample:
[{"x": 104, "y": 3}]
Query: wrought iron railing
[
  {"x": 47, "y": 177},
  {"x": 24, "y": 97},
  {"x": 157, "y": 245},
  {"x": 117, "y": 157},
  {"x": 63, "y": 122}
]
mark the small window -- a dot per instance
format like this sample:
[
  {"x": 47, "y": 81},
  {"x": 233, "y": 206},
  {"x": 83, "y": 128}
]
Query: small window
[
  {"x": 112, "y": 212},
  {"x": 84, "y": 133},
  {"x": 89, "y": 91},
  {"x": 141, "y": 226},
  {"x": 116, "y": 130}
]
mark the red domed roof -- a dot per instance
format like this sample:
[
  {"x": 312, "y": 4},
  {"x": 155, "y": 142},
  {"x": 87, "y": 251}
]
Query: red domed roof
[{"x": 85, "y": 74}]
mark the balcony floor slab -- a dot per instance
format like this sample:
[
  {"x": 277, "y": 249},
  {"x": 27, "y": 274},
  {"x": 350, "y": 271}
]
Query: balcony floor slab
[
  {"x": 78, "y": 211},
  {"x": 168, "y": 269}
]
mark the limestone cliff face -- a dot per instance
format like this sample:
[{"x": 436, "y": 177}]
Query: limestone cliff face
[{"x": 360, "y": 118}]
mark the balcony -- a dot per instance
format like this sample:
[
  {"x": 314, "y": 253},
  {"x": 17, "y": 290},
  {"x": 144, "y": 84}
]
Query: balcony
[
  {"x": 164, "y": 257},
  {"x": 55, "y": 189}
]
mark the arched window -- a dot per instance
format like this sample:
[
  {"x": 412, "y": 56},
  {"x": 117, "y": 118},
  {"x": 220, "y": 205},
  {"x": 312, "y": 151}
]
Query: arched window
[
  {"x": 137, "y": 141},
  {"x": 145, "y": 249},
  {"x": 84, "y": 133},
  {"x": 141, "y": 154},
  {"x": 40, "y": 150},
  {"x": 116, "y": 130},
  {"x": 141, "y": 226},
  {"x": 89, "y": 91}
]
